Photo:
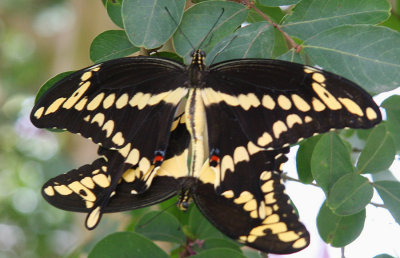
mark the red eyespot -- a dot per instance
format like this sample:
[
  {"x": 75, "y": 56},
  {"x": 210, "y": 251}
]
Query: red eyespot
[
  {"x": 158, "y": 159},
  {"x": 214, "y": 160}
]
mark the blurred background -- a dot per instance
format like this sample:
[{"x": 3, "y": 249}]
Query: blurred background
[{"x": 39, "y": 39}]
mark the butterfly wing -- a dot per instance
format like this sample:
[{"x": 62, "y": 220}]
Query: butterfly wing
[
  {"x": 254, "y": 208},
  {"x": 277, "y": 103},
  {"x": 82, "y": 189}
]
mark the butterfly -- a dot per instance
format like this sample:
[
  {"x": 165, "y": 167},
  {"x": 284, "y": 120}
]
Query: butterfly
[{"x": 234, "y": 121}]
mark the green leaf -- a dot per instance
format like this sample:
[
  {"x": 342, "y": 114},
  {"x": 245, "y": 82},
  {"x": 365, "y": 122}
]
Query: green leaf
[
  {"x": 350, "y": 194},
  {"x": 211, "y": 243},
  {"x": 277, "y": 2},
  {"x": 379, "y": 151},
  {"x": 393, "y": 22},
  {"x": 50, "y": 83},
  {"x": 219, "y": 253},
  {"x": 253, "y": 41},
  {"x": 338, "y": 230},
  {"x": 111, "y": 44},
  {"x": 330, "y": 161},
  {"x": 162, "y": 226},
  {"x": 200, "y": 227},
  {"x": 375, "y": 66},
  {"x": 114, "y": 12},
  {"x": 310, "y": 17},
  {"x": 221, "y": 18},
  {"x": 303, "y": 159},
  {"x": 392, "y": 108},
  {"x": 148, "y": 24},
  {"x": 383, "y": 256},
  {"x": 275, "y": 13},
  {"x": 389, "y": 191},
  {"x": 126, "y": 244}
]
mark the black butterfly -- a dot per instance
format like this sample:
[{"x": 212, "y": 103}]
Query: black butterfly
[{"x": 146, "y": 112}]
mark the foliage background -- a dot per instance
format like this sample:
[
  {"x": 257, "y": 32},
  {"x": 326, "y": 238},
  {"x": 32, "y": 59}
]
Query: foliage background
[{"x": 39, "y": 39}]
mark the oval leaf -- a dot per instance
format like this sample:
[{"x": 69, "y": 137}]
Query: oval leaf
[
  {"x": 221, "y": 18},
  {"x": 111, "y": 44},
  {"x": 330, "y": 161},
  {"x": 253, "y": 41},
  {"x": 47, "y": 85},
  {"x": 389, "y": 191},
  {"x": 126, "y": 244},
  {"x": 375, "y": 66},
  {"x": 379, "y": 151},
  {"x": 219, "y": 253},
  {"x": 303, "y": 159},
  {"x": 151, "y": 23},
  {"x": 310, "y": 17},
  {"x": 350, "y": 194},
  {"x": 392, "y": 108},
  {"x": 162, "y": 226},
  {"x": 114, "y": 11},
  {"x": 338, "y": 230},
  {"x": 277, "y": 2}
]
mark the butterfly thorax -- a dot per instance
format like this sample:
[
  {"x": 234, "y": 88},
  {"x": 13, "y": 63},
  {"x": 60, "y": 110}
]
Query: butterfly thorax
[
  {"x": 196, "y": 69},
  {"x": 185, "y": 198}
]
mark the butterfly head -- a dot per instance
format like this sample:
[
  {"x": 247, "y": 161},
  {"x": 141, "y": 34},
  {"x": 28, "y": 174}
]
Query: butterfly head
[
  {"x": 185, "y": 198},
  {"x": 198, "y": 59}
]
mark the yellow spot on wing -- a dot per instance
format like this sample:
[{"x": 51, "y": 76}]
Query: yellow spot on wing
[
  {"x": 81, "y": 104},
  {"x": 351, "y": 106},
  {"x": 309, "y": 69},
  {"x": 129, "y": 175},
  {"x": 264, "y": 139},
  {"x": 300, "y": 103},
  {"x": 278, "y": 128},
  {"x": 82, "y": 191},
  {"x": 227, "y": 163},
  {"x": 76, "y": 95},
  {"x": 371, "y": 114},
  {"x": 108, "y": 127},
  {"x": 252, "y": 148},
  {"x": 93, "y": 217},
  {"x": 109, "y": 101},
  {"x": 144, "y": 165},
  {"x": 240, "y": 154},
  {"x": 326, "y": 97},
  {"x": 125, "y": 150},
  {"x": 317, "y": 105},
  {"x": 98, "y": 118},
  {"x": 157, "y": 98},
  {"x": 293, "y": 119},
  {"x": 299, "y": 243},
  {"x": 268, "y": 186},
  {"x": 88, "y": 182},
  {"x": 268, "y": 102},
  {"x": 133, "y": 157},
  {"x": 101, "y": 180},
  {"x": 62, "y": 189},
  {"x": 250, "y": 205},
  {"x": 49, "y": 191},
  {"x": 288, "y": 236},
  {"x": 122, "y": 101},
  {"x": 266, "y": 175},
  {"x": 274, "y": 218},
  {"x": 38, "y": 114},
  {"x": 95, "y": 102},
  {"x": 86, "y": 76},
  {"x": 248, "y": 101},
  {"x": 228, "y": 194},
  {"x": 229, "y": 99},
  {"x": 284, "y": 102},
  {"x": 143, "y": 101},
  {"x": 118, "y": 139},
  {"x": 244, "y": 197},
  {"x": 207, "y": 174},
  {"x": 318, "y": 77},
  {"x": 55, "y": 106}
]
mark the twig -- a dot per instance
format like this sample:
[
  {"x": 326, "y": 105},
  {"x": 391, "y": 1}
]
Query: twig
[
  {"x": 292, "y": 43},
  {"x": 378, "y": 205},
  {"x": 286, "y": 177}
]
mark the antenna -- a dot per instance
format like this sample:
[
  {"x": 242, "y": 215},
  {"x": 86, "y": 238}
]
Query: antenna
[{"x": 205, "y": 37}]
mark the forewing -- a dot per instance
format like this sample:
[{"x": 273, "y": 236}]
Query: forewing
[
  {"x": 277, "y": 103},
  {"x": 112, "y": 101}
]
